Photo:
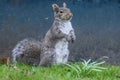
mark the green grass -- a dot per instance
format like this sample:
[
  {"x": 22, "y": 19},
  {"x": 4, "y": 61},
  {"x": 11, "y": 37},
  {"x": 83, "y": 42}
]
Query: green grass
[{"x": 57, "y": 72}]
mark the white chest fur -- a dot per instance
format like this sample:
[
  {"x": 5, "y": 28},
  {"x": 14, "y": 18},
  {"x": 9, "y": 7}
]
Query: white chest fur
[
  {"x": 62, "y": 52},
  {"x": 65, "y": 27},
  {"x": 61, "y": 47}
]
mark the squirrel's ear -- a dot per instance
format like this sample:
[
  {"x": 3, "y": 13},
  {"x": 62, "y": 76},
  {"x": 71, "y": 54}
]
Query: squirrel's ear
[
  {"x": 55, "y": 7},
  {"x": 64, "y": 4}
]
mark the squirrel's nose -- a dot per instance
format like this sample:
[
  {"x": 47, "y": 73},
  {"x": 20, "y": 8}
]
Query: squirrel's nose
[{"x": 70, "y": 14}]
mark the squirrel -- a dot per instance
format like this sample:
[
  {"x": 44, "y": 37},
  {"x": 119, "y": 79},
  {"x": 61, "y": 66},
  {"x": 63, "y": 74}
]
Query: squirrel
[{"x": 54, "y": 47}]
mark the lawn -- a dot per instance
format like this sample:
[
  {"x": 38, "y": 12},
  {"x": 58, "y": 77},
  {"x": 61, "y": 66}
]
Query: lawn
[{"x": 56, "y": 72}]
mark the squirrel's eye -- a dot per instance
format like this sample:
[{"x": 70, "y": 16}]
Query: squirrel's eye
[{"x": 61, "y": 11}]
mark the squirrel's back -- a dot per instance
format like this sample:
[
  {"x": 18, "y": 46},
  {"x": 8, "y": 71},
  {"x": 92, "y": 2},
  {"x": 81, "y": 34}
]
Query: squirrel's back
[{"x": 27, "y": 51}]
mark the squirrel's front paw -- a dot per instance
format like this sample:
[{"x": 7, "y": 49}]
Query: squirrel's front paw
[{"x": 71, "y": 39}]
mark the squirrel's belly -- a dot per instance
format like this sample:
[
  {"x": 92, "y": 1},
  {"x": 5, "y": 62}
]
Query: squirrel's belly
[{"x": 62, "y": 52}]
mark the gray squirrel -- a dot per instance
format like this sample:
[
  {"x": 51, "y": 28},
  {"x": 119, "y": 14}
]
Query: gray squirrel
[{"x": 54, "y": 47}]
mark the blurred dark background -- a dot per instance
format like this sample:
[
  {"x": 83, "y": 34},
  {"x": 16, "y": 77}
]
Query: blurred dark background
[{"x": 96, "y": 23}]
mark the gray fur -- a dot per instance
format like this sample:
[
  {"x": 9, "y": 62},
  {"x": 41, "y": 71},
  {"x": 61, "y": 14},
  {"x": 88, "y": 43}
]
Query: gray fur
[{"x": 27, "y": 51}]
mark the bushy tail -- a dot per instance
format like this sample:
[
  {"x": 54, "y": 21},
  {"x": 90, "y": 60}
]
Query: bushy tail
[{"x": 27, "y": 51}]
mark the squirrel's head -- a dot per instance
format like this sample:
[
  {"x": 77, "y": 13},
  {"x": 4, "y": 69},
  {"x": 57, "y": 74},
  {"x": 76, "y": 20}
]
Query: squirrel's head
[{"x": 62, "y": 13}]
